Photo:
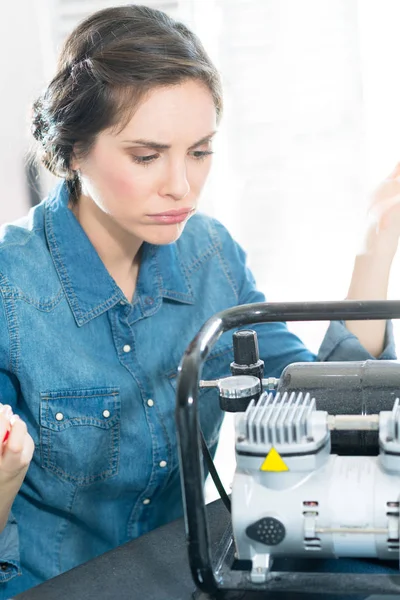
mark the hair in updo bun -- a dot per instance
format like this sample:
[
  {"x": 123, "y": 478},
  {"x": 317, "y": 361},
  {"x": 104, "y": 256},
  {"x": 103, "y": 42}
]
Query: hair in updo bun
[{"x": 107, "y": 64}]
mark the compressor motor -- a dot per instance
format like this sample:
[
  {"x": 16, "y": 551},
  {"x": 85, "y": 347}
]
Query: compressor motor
[{"x": 292, "y": 497}]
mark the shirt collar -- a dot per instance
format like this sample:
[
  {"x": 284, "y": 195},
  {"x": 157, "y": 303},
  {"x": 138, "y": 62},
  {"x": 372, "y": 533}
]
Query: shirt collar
[{"x": 89, "y": 288}]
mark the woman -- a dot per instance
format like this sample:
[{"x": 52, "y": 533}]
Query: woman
[{"x": 105, "y": 283}]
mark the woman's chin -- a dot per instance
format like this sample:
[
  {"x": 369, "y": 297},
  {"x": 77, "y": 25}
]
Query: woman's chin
[{"x": 161, "y": 235}]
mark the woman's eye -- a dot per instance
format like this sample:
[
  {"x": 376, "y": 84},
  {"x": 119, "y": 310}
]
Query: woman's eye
[
  {"x": 201, "y": 154},
  {"x": 143, "y": 160}
]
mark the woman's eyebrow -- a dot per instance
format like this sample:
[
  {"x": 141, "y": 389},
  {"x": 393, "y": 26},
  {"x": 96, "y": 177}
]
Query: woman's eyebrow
[
  {"x": 203, "y": 140},
  {"x": 160, "y": 146}
]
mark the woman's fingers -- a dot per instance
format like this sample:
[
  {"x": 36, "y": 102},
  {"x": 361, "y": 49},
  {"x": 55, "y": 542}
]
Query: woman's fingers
[
  {"x": 384, "y": 209},
  {"x": 395, "y": 173},
  {"x": 18, "y": 450},
  {"x": 4, "y": 428},
  {"x": 16, "y": 445}
]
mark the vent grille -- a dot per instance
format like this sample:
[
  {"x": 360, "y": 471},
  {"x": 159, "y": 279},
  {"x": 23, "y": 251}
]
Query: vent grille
[{"x": 277, "y": 419}]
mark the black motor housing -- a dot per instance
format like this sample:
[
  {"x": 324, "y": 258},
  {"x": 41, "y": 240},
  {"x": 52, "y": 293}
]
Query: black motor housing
[{"x": 366, "y": 387}]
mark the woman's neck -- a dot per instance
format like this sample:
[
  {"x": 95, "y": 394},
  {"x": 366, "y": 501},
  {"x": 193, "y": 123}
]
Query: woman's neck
[{"x": 118, "y": 249}]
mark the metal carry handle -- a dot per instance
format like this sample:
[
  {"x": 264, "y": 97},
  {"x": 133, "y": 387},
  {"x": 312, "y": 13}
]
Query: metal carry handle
[{"x": 186, "y": 413}]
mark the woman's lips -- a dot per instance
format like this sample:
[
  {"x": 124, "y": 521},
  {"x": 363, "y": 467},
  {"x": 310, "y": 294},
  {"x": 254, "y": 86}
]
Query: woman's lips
[{"x": 172, "y": 216}]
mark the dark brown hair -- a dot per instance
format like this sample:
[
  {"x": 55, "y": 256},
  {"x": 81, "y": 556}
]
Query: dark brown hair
[{"x": 106, "y": 66}]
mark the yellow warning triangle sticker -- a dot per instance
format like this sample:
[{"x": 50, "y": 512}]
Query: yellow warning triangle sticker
[{"x": 273, "y": 462}]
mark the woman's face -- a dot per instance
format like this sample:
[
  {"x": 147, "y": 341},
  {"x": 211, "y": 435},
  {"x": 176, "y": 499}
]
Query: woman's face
[{"x": 147, "y": 178}]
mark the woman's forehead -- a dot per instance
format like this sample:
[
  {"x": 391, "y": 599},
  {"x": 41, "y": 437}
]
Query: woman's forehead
[{"x": 187, "y": 108}]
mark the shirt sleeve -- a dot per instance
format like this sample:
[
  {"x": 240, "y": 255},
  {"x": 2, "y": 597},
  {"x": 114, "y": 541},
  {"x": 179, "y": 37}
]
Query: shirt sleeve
[
  {"x": 9, "y": 551},
  {"x": 277, "y": 345},
  {"x": 340, "y": 344},
  {"x": 9, "y": 539}
]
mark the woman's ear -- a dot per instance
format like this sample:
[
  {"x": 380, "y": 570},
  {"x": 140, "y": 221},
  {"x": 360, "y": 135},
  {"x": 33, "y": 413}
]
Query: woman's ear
[{"x": 74, "y": 164}]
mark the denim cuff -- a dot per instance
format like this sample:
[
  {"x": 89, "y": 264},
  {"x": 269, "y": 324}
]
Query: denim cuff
[
  {"x": 9, "y": 551},
  {"x": 340, "y": 344}
]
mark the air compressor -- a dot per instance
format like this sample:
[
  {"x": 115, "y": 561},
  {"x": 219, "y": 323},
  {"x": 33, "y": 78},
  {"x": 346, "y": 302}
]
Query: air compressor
[{"x": 317, "y": 461}]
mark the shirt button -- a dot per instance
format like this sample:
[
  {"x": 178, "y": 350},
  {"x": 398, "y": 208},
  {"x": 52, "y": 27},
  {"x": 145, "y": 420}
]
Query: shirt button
[
  {"x": 150, "y": 402},
  {"x": 122, "y": 302},
  {"x": 163, "y": 464},
  {"x": 106, "y": 413},
  {"x": 146, "y": 501},
  {"x": 126, "y": 348},
  {"x": 59, "y": 416},
  {"x": 149, "y": 301}
]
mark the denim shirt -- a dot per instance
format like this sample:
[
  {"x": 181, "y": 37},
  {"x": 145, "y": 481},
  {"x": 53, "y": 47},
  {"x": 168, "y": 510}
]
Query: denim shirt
[{"x": 94, "y": 377}]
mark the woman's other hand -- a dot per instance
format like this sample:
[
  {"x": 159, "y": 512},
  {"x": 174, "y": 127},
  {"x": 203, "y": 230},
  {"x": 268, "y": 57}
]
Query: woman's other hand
[
  {"x": 384, "y": 216},
  {"x": 16, "y": 453},
  {"x": 372, "y": 265}
]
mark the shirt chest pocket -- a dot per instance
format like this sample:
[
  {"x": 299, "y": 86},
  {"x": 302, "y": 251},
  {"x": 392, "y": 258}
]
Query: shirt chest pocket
[{"x": 79, "y": 434}]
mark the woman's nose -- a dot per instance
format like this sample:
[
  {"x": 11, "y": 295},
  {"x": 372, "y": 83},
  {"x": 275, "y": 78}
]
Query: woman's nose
[{"x": 176, "y": 184}]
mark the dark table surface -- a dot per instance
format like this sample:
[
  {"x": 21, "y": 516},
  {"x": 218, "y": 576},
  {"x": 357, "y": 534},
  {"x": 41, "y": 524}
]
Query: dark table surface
[{"x": 153, "y": 567}]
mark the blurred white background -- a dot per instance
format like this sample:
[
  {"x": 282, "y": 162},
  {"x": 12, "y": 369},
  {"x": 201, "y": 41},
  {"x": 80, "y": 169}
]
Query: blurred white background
[{"x": 312, "y": 124}]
